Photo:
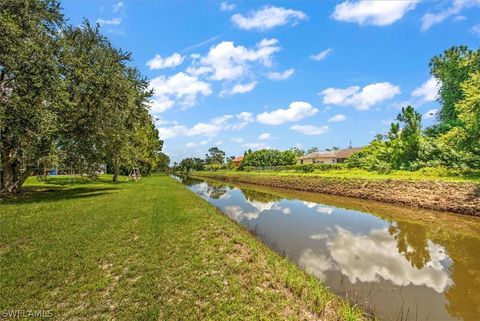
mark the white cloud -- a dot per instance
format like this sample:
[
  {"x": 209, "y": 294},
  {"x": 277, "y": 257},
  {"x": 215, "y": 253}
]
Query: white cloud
[
  {"x": 315, "y": 264},
  {"x": 363, "y": 99},
  {"x": 428, "y": 91},
  {"x": 476, "y": 29},
  {"x": 239, "y": 89},
  {"x": 225, "y": 6},
  {"x": 431, "y": 113},
  {"x": 281, "y": 75},
  {"x": 268, "y": 17},
  {"x": 209, "y": 129},
  {"x": 158, "y": 62},
  {"x": 200, "y": 129},
  {"x": 337, "y": 118},
  {"x": 310, "y": 130},
  {"x": 245, "y": 116},
  {"x": 237, "y": 140},
  {"x": 430, "y": 19},
  {"x": 180, "y": 88},
  {"x": 296, "y": 111},
  {"x": 264, "y": 136},
  {"x": 119, "y": 6},
  {"x": 377, "y": 13},
  {"x": 160, "y": 103},
  {"x": 225, "y": 61},
  {"x": 256, "y": 146},
  {"x": 111, "y": 22},
  {"x": 320, "y": 236},
  {"x": 220, "y": 120},
  {"x": 375, "y": 257},
  {"x": 189, "y": 145},
  {"x": 321, "y": 55},
  {"x": 238, "y": 214},
  {"x": 324, "y": 210}
]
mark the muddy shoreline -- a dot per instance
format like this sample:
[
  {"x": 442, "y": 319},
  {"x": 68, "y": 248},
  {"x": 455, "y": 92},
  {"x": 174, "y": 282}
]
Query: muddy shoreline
[{"x": 462, "y": 198}]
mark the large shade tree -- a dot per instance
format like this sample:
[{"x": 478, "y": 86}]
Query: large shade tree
[
  {"x": 30, "y": 86},
  {"x": 67, "y": 96}
]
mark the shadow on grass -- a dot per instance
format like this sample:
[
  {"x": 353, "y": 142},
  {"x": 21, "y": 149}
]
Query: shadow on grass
[
  {"x": 65, "y": 181},
  {"x": 38, "y": 194}
]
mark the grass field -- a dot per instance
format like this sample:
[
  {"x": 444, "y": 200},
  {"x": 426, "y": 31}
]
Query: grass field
[
  {"x": 150, "y": 250},
  {"x": 436, "y": 174}
]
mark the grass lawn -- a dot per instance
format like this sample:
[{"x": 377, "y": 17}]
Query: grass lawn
[
  {"x": 425, "y": 174},
  {"x": 149, "y": 250}
]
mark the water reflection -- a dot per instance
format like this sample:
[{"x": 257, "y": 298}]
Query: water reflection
[
  {"x": 390, "y": 259},
  {"x": 371, "y": 257}
]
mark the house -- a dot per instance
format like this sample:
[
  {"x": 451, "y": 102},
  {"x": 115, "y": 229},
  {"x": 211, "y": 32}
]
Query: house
[
  {"x": 328, "y": 157},
  {"x": 237, "y": 160}
]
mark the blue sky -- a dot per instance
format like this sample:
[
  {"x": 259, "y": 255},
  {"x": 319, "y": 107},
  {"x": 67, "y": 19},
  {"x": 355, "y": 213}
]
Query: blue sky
[{"x": 252, "y": 74}]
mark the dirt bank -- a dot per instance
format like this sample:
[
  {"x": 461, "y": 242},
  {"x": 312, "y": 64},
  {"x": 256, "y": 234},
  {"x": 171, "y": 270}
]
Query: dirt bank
[{"x": 463, "y": 198}]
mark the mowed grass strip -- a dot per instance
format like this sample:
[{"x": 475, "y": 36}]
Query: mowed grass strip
[{"x": 150, "y": 250}]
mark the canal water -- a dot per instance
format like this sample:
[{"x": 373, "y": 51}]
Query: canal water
[{"x": 396, "y": 262}]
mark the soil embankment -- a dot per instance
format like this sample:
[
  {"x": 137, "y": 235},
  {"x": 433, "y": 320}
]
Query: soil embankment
[{"x": 458, "y": 197}]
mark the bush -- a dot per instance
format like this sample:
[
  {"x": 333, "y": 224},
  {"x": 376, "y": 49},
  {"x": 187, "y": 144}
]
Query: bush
[
  {"x": 213, "y": 167},
  {"x": 268, "y": 158}
]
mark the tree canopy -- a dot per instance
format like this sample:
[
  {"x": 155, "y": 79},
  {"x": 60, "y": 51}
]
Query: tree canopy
[{"x": 67, "y": 96}]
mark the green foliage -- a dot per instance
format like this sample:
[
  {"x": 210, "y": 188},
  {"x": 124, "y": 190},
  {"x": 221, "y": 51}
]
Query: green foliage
[
  {"x": 452, "y": 68},
  {"x": 163, "y": 162},
  {"x": 310, "y": 168},
  {"x": 297, "y": 151},
  {"x": 189, "y": 164},
  {"x": 312, "y": 150},
  {"x": 213, "y": 167},
  {"x": 454, "y": 142},
  {"x": 30, "y": 86},
  {"x": 268, "y": 158},
  {"x": 215, "y": 156},
  {"x": 66, "y": 94}
]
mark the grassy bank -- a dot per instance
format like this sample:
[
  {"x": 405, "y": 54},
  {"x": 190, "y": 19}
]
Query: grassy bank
[
  {"x": 460, "y": 196},
  {"x": 426, "y": 174},
  {"x": 144, "y": 251}
]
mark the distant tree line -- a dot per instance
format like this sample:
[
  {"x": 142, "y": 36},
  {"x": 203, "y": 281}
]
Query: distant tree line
[
  {"x": 68, "y": 98},
  {"x": 454, "y": 142}
]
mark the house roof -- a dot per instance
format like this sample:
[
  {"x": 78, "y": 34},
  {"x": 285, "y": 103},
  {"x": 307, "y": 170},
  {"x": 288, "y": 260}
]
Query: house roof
[
  {"x": 341, "y": 153},
  {"x": 238, "y": 159},
  {"x": 325, "y": 154},
  {"x": 344, "y": 153}
]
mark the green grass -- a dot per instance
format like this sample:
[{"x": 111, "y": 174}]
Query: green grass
[
  {"x": 150, "y": 250},
  {"x": 425, "y": 174}
]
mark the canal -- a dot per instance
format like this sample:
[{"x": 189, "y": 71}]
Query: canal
[{"x": 396, "y": 262}]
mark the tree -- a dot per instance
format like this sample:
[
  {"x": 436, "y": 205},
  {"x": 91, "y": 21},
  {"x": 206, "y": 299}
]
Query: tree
[
  {"x": 405, "y": 142},
  {"x": 297, "y": 151},
  {"x": 163, "y": 162},
  {"x": 268, "y": 157},
  {"x": 30, "y": 84},
  {"x": 187, "y": 164},
  {"x": 215, "y": 156},
  {"x": 98, "y": 98},
  {"x": 107, "y": 119},
  {"x": 333, "y": 148},
  {"x": 465, "y": 139},
  {"x": 312, "y": 150},
  {"x": 452, "y": 68}
]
